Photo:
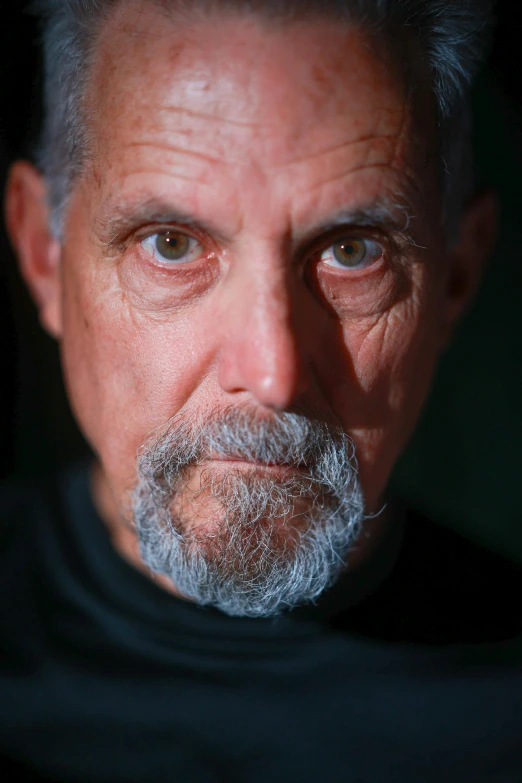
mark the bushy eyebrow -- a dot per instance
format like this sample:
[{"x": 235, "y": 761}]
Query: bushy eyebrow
[
  {"x": 387, "y": 216},
  {"x": 392, "y": 218},
  {"x": 117, "y": 221}
]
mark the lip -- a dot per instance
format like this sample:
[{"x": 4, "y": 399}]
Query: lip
[{"x": 275, "y": 466}]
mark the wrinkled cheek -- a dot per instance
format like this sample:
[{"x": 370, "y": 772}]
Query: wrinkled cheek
[
  {"x": 394, "y": 352},
  {"x": 394, "y": 357},
  {"x": 127, "y": 373}
]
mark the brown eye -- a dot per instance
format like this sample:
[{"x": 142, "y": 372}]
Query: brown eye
[
  {"x": 350, "y": 253},
  {"x": 170, "y": 246}
]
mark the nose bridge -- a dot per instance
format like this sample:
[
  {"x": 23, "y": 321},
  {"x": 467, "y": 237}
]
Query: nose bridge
[{"x": 261, "y": 352}]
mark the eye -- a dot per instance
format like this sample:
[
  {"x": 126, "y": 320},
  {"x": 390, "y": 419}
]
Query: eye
[
  {"x": 348, "y": 253},
  {"x": 171, "y": 247}
]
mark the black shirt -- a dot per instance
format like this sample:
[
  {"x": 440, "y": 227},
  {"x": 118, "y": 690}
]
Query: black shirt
[{"x": 409, "y": 669}]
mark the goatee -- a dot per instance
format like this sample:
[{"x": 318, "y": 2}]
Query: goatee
[{"x": 249, "y": 514}]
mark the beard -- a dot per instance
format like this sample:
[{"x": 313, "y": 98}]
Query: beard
[{"x": 250, "y": 515}]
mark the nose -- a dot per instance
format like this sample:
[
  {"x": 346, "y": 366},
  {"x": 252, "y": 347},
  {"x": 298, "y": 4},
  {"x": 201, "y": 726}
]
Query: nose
[{"x": 261, "y": 354}]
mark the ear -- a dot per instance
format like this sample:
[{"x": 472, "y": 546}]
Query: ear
[
  {"x": 467, "y": 257},
  {"x": 27, "y": 215}
]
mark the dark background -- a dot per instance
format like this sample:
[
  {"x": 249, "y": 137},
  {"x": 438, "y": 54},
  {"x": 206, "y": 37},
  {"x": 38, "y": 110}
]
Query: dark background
[{"x": 464, "y": 465}]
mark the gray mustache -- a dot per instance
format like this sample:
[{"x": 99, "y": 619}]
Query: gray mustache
[{"x": 326, "y": 452}]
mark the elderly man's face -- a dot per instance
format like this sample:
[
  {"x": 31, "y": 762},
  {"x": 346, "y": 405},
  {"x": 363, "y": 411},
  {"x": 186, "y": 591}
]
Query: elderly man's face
[{"x": 261, "y": 228}]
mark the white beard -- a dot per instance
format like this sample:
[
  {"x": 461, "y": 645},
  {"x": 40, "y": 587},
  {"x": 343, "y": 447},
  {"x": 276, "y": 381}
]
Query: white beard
[{"x": 248, "y": 540}]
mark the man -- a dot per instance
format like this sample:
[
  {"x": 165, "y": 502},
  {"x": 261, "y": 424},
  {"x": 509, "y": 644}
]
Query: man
[{"x": 252, "y": 230}]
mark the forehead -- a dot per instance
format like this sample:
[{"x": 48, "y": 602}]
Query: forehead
[{"x": 311, "y": 103}]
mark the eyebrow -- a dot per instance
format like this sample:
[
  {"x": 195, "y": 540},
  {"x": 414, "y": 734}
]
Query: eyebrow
[
  {"x": 117, "y": 221},
  {"x": 382, "y": 213}
]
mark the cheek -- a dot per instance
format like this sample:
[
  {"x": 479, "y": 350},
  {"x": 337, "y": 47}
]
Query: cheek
[
  {"x": 393, "y": 357},
  {"x": 393, "y": 352},
  {"x": 127, "y": 371}
]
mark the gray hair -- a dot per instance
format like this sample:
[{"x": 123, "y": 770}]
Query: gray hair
[
  {"x": 452, "y": 35},
  {"x": 267, "y": 543}
]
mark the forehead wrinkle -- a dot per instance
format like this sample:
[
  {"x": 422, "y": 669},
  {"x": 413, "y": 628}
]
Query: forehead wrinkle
[
  {"x": 389, "y": 193},
  {"x": 173, "y": 148},
  {"x": 221, "y": 117},
  {"x": 177, "y": 175},
  {"x": 350, "y": 171},
  {"x": 258, "y": 150},
  {"x": 225, "y": 121},
  {"x": 335, "y": 156},
  {"x": 377, "y": 157},
  {"x": 340, "y": 146},
  {"x": 176, "y": 109}
]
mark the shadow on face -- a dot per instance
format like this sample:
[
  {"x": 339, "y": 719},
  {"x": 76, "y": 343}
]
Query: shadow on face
[{"x": 258, "y": 222}]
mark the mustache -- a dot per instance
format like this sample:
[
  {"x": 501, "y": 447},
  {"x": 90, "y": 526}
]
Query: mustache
[{"x": 323, "y": 450}]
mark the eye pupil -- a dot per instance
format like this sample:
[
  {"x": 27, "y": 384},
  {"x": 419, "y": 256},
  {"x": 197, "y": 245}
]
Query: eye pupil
[
  {"x": 172, "y": 245},
  {"x": 349, "y": 252}
]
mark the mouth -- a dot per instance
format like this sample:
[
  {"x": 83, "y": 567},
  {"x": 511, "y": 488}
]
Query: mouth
[{"x": 273, "y": 467}]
